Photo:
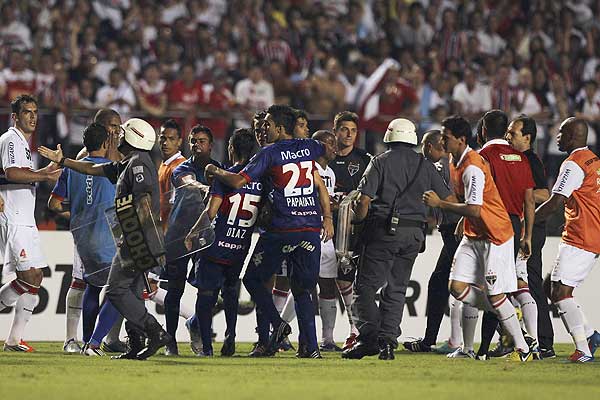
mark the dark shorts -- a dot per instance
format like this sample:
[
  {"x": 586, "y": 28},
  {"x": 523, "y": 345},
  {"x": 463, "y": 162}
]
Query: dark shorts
[
  {"x": 301, "y": 250},
  {"x": 209, "y": 275},
  {"x": 177, "y": 270}
]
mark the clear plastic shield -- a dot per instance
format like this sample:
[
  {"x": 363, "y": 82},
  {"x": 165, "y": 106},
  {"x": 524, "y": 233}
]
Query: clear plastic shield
[
  {"x": 187, "y": 207},
  {"x": 343, "y": 233},
  {"x": 137, "y": 233},
  {"x": 94, "y": 242}
]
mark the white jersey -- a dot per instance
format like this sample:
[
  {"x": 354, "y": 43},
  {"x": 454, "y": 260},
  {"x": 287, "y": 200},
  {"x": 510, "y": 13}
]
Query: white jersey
[
  {"x": 19, "y": 198},
  {"x": 328, "y": 177}
]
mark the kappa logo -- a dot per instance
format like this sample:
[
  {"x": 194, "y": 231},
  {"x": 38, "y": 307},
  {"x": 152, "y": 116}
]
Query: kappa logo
[
  {"x": 491, "y": 279},
  {"x": 257, "y": 258},
  {"x": 353, "y": 168}
]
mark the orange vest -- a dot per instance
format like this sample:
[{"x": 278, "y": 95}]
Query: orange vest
[
  {"x": 165, "y": 171},
  {"x": 493, "y": 223},
  {"x": 582, "y": 208}
]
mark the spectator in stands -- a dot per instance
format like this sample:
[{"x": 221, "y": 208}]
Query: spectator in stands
[
  {"x": 117, "y": 94},
  {"x": 471, "y": 98},
  {"x": 253, "y": 93}
]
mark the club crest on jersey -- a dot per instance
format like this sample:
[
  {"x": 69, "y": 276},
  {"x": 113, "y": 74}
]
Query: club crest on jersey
[
  {"x": 353, "y": 168},
  {"x": 491, "y": 279},
  {"x": 22, "y": 254}
]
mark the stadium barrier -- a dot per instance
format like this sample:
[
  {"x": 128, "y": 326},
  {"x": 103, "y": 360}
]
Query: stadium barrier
[{"x": 48, "y": 323}]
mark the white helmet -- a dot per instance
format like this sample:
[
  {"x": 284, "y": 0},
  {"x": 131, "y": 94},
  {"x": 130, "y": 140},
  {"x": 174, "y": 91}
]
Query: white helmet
[
  {"x": 401, "y": 130},
  {"x": 139, "y": 134}
]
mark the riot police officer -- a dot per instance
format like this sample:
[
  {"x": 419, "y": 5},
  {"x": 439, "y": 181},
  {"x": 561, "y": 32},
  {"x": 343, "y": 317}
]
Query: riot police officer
[{"x": 394, "y": 216}]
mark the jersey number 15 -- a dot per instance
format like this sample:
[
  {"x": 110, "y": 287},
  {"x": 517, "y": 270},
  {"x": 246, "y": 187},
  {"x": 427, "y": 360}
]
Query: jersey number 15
[{"x": 248, "y": 203}]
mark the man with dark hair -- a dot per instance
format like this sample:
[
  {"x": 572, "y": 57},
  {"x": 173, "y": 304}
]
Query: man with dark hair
[
  {"x": 218, "y": 267},
  {"x": 521, "y": 135},
  {"x": 578, "y": 189},
  {"x": 484, "y": 258},
  {"x": 135, "y": 176},
  {"x": 301, "y": 129},
  {"x": 348, "y": 166},
  {"x": 187, "y": 179},
  {"x": 169, "y": 139},
  {"x": 111, "y": 121},
  {"x": 299, "y": 215},
  {"x": 437, "y": 289},
  {"x": 19, "y": 237},
  {"x": 85, "y": 198},
  {"x": 512, "y": 174}
]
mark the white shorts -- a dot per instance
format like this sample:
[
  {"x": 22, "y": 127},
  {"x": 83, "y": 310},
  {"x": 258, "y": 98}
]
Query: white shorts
[
  {"x": 482, "y": 263},
  {"x": 77, "y": 265},
  {"x": 521, "y": 268},
  {"x": 329, "y": 264},
  {"x": 572, "y": 265},
  {"x": 20, "y": 247}
]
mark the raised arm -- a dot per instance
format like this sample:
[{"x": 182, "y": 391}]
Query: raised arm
[
  {"x": 84, "y": 167},
  {"x": 230, "y": 179}
]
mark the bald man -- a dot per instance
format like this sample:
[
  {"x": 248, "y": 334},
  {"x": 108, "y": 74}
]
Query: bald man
[{"x": 578, "y": 189}]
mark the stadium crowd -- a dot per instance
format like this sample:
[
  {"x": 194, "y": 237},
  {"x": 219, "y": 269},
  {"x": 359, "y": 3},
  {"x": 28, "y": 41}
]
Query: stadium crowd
[{"x": 217, "y": 63}]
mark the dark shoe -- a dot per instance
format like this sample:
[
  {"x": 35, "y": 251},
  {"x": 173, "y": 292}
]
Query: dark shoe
[
  {"x": 360, "y": 350},
  {"x": 114, "y": 347},
  {"x": 278, "y": 336},
  {"x": 286, "y": 345},
  {"x": 315, "y": 354},
  {"x": 228, "y": 348},
  {"x": 302, "y": 351},
  {"x": 136, "y": 341},
  {"x": 417, "y": 346},
  {"x": 547, "y": 353},
  {"x": 259, "y": 350},
  {"x": 501, "y": 350},
  {"x": 205, "y": 353},
  {"x": 157, "y": 338},
  {"x": 386, "y": 350},
  {"x": 171, "y": 349},
  {"x": 329, "y": 347}
]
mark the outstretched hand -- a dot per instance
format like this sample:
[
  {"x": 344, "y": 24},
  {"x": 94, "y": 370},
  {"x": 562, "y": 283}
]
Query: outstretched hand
[{"x": 52, "y": 155}]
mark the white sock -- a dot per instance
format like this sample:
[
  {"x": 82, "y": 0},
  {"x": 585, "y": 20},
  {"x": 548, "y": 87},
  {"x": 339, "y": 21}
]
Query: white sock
[
  {"x": 185, "y": 312},
  {"x": 347, "y": 294},
  {"x": 74, "y": 302},
  {"x": 455, "y": 318},
  {"x": 279, "y": 299},
  {"x": 23, "y": 310},
  {"x": 328, "y": 312},
  {"x": 510, "y": 322},
  {"x": 115, "y": 331},
  {"x": 573, "y": 318},
  {"x": 470, "y": 315},
  {"x": 529, "y": 310},
  {"x": 158, "y": 296},
  {"x": 589, "y": 331},
  {"x": 10, "y": 293},
  {"x": 475, "y": 297},
  {"x": 289, "y": 311}
]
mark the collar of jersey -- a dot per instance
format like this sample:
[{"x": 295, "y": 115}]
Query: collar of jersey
[
  {"x": 494, "y": 141},
  {"x": 462, "y": 157},
  {"x": 19, "y": 133},
  {"x": 579, "y": 149},
  {"x": 172, "y": 158}
]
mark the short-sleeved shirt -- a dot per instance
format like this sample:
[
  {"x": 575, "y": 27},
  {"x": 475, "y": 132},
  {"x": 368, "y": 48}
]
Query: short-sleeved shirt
[
  {"x": 511, "y": 173},
  {"x": 288, "y": 166},
  {"x": 473, "y": 184},
  {"x": 19, "y": 198},
  {"x": 136, "y": 174},
  {"x": 349, "y": 170},
  {"x": 165, "y": 171},
  {"x": 389, "y": 173},
  {"x": 328, "y": 177},
  {"x": 89, "y": 197},
  {"x": 196, "y": 171},
  {"x": 579, "y": 182},
  {"x": 445, "y": 217},
  {"x": 537, "y": 170},
  {"x": 235, "y": 220}
]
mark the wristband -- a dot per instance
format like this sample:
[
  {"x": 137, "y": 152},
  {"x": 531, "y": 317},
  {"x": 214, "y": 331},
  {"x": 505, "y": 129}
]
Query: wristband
[
  {"x": 328, "y": 216},
  {"x": 61, "y": 163}
]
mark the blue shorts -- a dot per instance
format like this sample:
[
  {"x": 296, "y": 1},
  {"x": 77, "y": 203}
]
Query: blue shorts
[
  {"x": 212, "y": 276},
  {"x": 177, "y": 270},
  {"x": 301, "y": 250}
]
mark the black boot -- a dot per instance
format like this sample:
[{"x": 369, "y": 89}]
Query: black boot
[
  {"x": 136, "y": 341},
  {"x": 386, "y": 350},
  {"x": 157, "y": 338}
]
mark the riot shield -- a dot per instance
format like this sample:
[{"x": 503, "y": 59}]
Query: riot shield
[
  {"x": 94, "y": 242},
  {"x": 187, "y": 206},
  {"x": 343, "y": 232},
  {"x": 137, "y": 233}
]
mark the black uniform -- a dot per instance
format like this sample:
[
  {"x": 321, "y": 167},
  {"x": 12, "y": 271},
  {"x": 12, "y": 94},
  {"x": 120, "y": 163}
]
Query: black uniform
[
  {"x": 437, "y": 289},
  {"x": 534, "y": 263},
  {"x": 348, "y": 172},
  {"x": 387, "y": 260},
  {"x": 136, "y": 174}
]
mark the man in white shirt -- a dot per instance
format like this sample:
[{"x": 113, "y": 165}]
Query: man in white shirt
[
  {"x": 253, "y": 93},
  {"x": 19, "y": 237},
  {"x": 118, "y": 94},
  {"x": 471, "y": 97}
]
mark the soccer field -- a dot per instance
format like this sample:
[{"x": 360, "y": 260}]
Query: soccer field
[{"x": 50, "y": 374}]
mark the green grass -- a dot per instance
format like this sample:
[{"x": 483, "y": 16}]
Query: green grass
[{"x": 50, "y": 374}]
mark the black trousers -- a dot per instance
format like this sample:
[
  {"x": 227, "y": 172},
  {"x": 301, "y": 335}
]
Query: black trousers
[
  {"x": 437, "y": 289},
  {"x": 535, "y": 279}
]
